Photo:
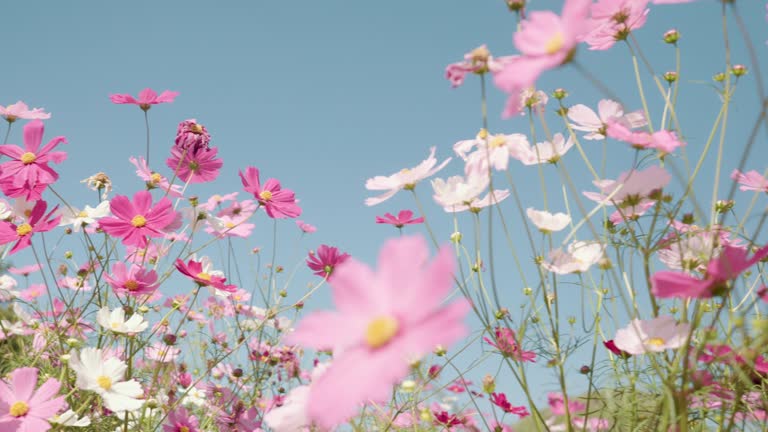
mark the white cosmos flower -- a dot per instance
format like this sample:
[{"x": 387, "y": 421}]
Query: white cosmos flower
[
  {"x": 547, "y": 222},
  {"x": 106, "y": 377},
  {"x": 291, "y": 416},
  {"x": 7, "y": 285},
  {"x": 80, "y": 218},
  {"x": 578, "y": 259},
  {"x": 115, "y": 321},
  {"x": 403, "y": 179},
  {"x": 547, "y": 151},
  {"x": 69, "y": 419},
  {"x": 586, "y": 120},
  {"x": 458, "y": 190}
]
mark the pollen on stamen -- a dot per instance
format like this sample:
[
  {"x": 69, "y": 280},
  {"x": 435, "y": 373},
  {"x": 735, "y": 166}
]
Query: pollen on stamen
[
  {"x": 104, "y": 382},
  {"x": 19, "y": 409},
  {"x": 555, "y": 43},
  {"x": 265, "y": 195},
  {"x": 380, "y": 331},
  {"x": 28, "y": 158},
  {"x": 138, "y": 221},
  {"x": 23, "y": 229}
]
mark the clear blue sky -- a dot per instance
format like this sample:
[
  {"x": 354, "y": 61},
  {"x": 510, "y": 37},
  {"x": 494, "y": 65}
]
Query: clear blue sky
[{"x": 323, "y": 95}]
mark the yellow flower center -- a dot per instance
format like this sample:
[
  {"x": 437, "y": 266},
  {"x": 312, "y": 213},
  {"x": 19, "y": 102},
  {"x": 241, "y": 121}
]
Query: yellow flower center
[
  {"x": 23, "y": 229},
  {"x": 196, "y": 128},
  {"x": 183, "y": 429},
  {"x": 27, "y": 158},
  {"x": 498, "y": 141},
  {"x": 656, "y": 341},
  {"x": 155, "y": 178},
  {"x": 482, "y": 134},
  {"x": 555, "y": 43},
  {"x": 229, "y": 225},
  {"x": 138, "y": 221},
  {"x": 204, "y": 276},
  {"x": 104, "y": 382},
  {"x": 131, "y": 285},
  {"x": 115, "y": 325},
  {"x": 82, "y": 214},
  {"x": 19, "y": 409},
  {"x": 265, "y": 195},
  {"x": 380, "y": 331}
]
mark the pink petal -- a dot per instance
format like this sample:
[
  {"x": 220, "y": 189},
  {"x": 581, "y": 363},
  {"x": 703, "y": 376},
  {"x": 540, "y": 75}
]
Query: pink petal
[{"x": 33, "y": 135}]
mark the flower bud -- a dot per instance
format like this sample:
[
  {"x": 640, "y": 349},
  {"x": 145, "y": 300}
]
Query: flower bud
[
  {"x": 723, "y": 206},
  {"x": 489, "y": 384},
  {"x": 456, "y": 237},
  {"x": 169, "y": 339},
  {"x": 559, "y": 94},
  {"x": 671, "y": 36},
  {"x": 585, "y": 370},
  {"x": 516, "y": 5},
  {"x": 739, "y": 70},
  {"x": 670, "y": 76},
  {"x": 719, "y": 77}
]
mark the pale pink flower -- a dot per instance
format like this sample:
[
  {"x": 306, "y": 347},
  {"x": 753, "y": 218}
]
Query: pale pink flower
[
  {"x": 750, "y": 181},
  {"x": 546, "y": 40},
  {"x": 579, "y": 257},
  {"x": 385, "y": 320},
  {"x": 632, "y": 211},
  {"x": 458, "y": 190},
  {"x": 20, "y": 110},
  {"x": 229, "y": 226},
  {"x": 664, "y": 141},
  {"x": 305, "y": 227},
  {"x": 493, "y": 149},
  {"x": 24, "y": 409},
  {"x": 614, "y": 20},
  {"x": 631, "y": 186},
  {"x": 154, "y": 179},
  {"x": 547, "y": 222},
  {"x": 404, "y": 179},
  {"x": 477, "y": 61},
  {"x": 656, "y": 335},
  {"x": 546, "y": 152},
  {"x": 557, "y": 404},
  {"x": 608, "y": 111},
  {"x": 477, "y": 204},
  {"x": 146, "y": 99}
]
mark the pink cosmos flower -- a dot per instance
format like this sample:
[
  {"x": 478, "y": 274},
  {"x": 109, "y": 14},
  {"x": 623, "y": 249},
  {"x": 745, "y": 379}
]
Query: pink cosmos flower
[
  {"x": 25, "y": 270},
  {"x": 750, "y": 181},
  {"x": 731, "y": 262},
  {"x": 229, "y": 226},
  {"x": 656, "y": 335},
  {"x": 192, "y": 136},
  {"x": 137, "y": 220},
  {"x": 404, "y": 179},
  {"x": 203, "y": 277},
  {"x": 28, "y": 168},
  {"x": 179, "y": 420},
  {"x": 630, "y": 186},
  {"x": 504, "y": 341},
  {"x": 500, "y": 400},
  {"x": 325, "y": 260},
  {"x": 614, "y": 20},
  {"x": 608, "y": 111},
  {"x": 147, "y": 98},
  {"x": 22, "y": 233},
  {"x": 305, "y": 227},
  {"x": 494, "y": 150},
  {"x": 556, "y": 403},
  {"x": 385, "y": 319},
  {"x": 664, "y": 141},
  {"x": 279, "y": 203},
  {"x": 136, "y": 281},
  {"x": 195, "y": 165},
  {"x": 24, "y": 409},
  {"x": 20, "y": 110},
  {"x": 545, "y": 152},
  {"x": 405, "y": 217},
  {"x": 154, "y": 179},
  {"x": 545, "y": 41},
  {"x": 477, "y": 61}
]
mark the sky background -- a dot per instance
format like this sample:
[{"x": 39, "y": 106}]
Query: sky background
[{"x": 323, "y": 95}]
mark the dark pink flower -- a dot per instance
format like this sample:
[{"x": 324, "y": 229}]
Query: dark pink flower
[
  {"x": 443, "y": 418},
  {"x": 22, "y": 234},
  {"x": 195, "y": 165},
  {"x": 500, "y": 400},
  {"x": 556, "y": 403},
  {"x": 179, "y": 420},
  {"x": 279, "y": 203},
  {"x": 203, "y": 277},
  {"x": 726, "y": 267},
  {"x": 405, "y": 217},
  {"x": 136, "y": 281},
  {"x": 504, "y": 341},
  {"x": 192, "y": 136},
  {"x": 147, "y": 98},
  {"x": 325, "y": 260},
  {"x": 137, "y": 220},
  {"x": 24, "y": 409},
  {"x": 611, "y": 346},
  {"x": 28, "y": 169}
]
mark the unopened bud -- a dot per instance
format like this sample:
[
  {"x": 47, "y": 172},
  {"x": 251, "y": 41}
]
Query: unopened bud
[
  {"x": 670, "y": 76},
  {"x": 723, "y": 206},
  {"x": 739, "y": 70},
  {"x": 559, "y": 94},
  {"x": 489, "y": 384},
  {"x": 671, "y": 36},
  {"x": 719, "y": 77}
]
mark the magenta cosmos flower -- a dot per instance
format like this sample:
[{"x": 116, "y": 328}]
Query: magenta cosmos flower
[
  {"x": 279, "y": 203},
  {"x": 179, "y": 420},
  {"x": 731, "y": 262},
  {"x": 136, "y": 281},
  {"x": 545, "y": 40},
  {"x": 203, "y": 277},
  {"x": 137, "y": 220},
  {"x": 191, "y": 135},
  {"x": 385, "y": 319},
  {"x": 20, "y": 110},
  {"x": 325, "y": 260},
  {"x": 146, "y": 99},
  {"x": 24, "y": 409},
  {"x": 22, "y": 234},
  {"x": 28, "y": 166},
  {"x": 405, "y": 217},
  {"x": 195, "y": 165}
]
